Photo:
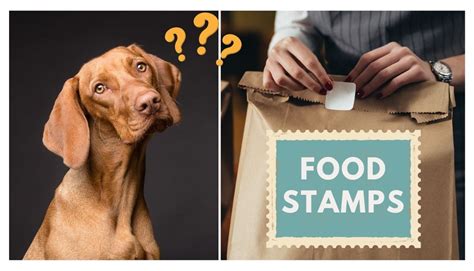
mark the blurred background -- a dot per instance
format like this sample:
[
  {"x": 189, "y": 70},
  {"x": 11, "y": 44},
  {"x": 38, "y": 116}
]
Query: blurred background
[{"x": 255, "y": 29}]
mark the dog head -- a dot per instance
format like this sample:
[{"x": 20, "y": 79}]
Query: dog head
[{"x": 126, "y": 87}]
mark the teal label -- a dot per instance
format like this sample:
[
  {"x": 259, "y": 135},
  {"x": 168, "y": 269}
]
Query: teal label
[
  {"x": 347, "y": 188},
  {"x": 343, "y": 188}
]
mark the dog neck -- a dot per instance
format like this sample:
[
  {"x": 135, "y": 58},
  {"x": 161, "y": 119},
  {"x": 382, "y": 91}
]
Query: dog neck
[{"x": 116, "y": 170}]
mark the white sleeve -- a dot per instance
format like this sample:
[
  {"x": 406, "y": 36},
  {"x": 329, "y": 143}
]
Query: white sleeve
[{"x": 294, "y": 24}]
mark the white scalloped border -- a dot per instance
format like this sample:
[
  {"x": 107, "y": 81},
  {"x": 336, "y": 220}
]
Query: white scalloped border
[{"x": 412, "y": 241}]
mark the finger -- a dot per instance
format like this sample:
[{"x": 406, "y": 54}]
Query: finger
[
  {"x": 268, "y": 81},
  {"x": 369, "y": 57},
  {"x": 384, "y": 76},
  {"x": 374, "y": 68},
  {"x": 299, "y": 75},
  {"x": 413, "y": 75},
  {"x": 282, "y": 79},
  {"x": 311, "y": 63}
]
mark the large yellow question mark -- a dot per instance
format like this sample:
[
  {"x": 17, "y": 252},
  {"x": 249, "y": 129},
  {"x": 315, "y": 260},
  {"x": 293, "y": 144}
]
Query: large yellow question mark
[
  {"x": 178, "y": 34},
  {"x": 234, "y": 48},
  {"x": 211, "y": 28}
]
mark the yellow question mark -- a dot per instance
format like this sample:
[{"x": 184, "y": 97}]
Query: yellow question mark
[
  {"x": 234, "y": 48},
  {"x": 211, "y": 28},
  {"x": 178, "y": 34}
]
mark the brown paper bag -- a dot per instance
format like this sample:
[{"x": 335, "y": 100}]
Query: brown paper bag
[{"x": 424, "y": 106}]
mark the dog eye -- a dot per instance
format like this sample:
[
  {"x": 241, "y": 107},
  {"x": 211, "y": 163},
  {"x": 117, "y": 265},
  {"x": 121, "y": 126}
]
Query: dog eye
[
  {"x": 100, "y": 88},
  {"x": 141, "y": 67}
]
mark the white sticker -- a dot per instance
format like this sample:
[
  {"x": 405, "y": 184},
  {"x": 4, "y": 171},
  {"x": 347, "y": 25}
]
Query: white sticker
[{"x": 341, "y": 97}]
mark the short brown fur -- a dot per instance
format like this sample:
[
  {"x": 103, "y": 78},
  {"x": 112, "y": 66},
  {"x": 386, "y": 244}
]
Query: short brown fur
[{"x": 99, "y": 210}]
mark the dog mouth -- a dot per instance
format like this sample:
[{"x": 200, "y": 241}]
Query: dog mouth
[
  {"x": 161, "y": 123},
  {"x": 157, "y": 122}
]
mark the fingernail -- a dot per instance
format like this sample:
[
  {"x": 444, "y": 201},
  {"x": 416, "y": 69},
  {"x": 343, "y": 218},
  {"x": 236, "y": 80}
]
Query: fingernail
[
  {"x": 348, "y": 79},
  {"x": 379, "y": 95},
  {"x": 328, "y": 85},
  {"x": 323, "y": 92},
  {"x": 359, "y": 93}
]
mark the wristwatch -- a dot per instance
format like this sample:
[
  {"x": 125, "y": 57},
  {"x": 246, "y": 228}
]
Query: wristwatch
[{"x": 441, "y": 71}]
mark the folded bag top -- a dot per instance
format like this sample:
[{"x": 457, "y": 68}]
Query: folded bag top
[{"x": 424, "y": 101}]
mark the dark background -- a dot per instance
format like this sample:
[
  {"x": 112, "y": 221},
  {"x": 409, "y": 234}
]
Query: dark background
[{"x": 47, "y": 48}]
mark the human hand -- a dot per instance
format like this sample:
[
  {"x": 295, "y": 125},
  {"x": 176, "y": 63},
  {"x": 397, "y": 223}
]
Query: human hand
[
  {"x": 292, "y": 66},
  {"x": 387, "y": 69}
]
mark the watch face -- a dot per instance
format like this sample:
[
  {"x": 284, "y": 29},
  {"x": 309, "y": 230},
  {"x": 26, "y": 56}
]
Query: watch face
[{"x": 441, "y": 68}]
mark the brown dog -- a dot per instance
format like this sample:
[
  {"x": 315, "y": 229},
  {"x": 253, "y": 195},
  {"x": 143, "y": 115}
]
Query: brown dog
[{"x": 99, "y": 125}]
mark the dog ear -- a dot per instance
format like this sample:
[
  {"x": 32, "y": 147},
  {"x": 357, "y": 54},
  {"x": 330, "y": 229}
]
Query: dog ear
[
  {"x": 67, "y": 131},
  {"x": 167, "y": 77}
]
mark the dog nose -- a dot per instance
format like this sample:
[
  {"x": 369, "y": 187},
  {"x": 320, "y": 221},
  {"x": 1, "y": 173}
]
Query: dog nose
[{"x": 148, "y": 103}]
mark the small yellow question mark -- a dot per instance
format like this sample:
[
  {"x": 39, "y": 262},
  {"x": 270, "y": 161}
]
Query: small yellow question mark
[
  {"x": 178, "y": 34},
  {"x": 234, "y": 48},
  {"x": 211, "y": 28}
]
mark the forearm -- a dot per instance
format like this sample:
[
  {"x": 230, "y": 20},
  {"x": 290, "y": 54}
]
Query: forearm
[
  {"x": 456, "y": 63},
  {"x": 294, "y": 24}
]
